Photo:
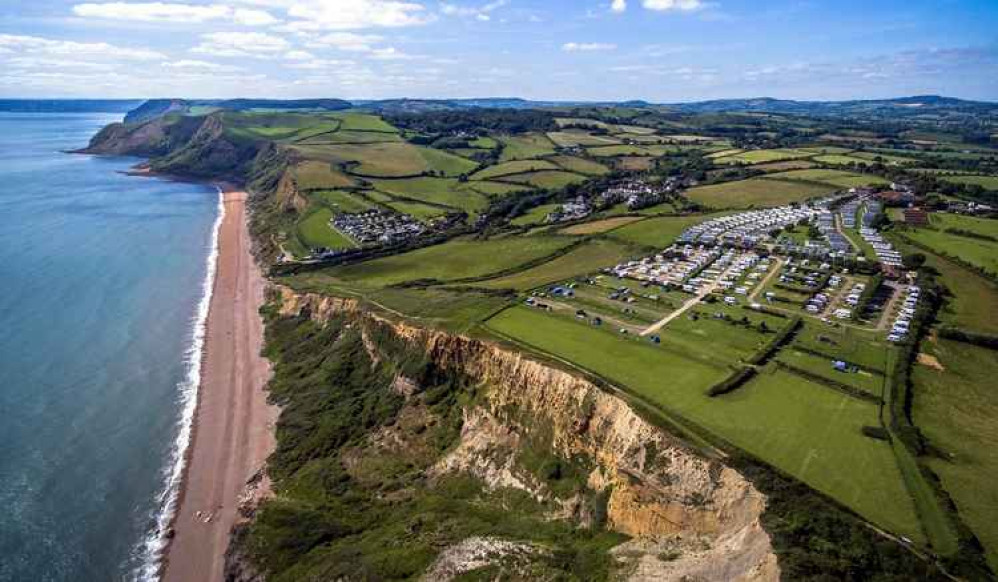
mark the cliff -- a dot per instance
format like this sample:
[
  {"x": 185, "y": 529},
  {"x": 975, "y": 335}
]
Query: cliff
[{"x": 683, "y": 515}]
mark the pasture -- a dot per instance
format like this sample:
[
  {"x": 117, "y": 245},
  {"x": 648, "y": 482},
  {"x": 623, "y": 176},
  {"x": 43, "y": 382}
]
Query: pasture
[
  {"x": 442, "y": 191},
  {"x": 658, "y": 232},
  {"x": 977, "y": 252},
  {"x": 340, "y": 201},
  {"x": 986, "y": 182},
  {"x": 313, "y": 175},
  {"x": 955, "y": 408},
  {"x": 456, "y": 259},
  {"x": 579, "y": 165},
  {"x": 757, "y": 192},
  {"x": 551, "y": 180},
  {"x": 386, "y": 160},
  {"x": 525, "y": 147},
  {"x": 535, "y": 215},
  {"x": 352, "y": 121},
  {"x": 599, "y": 226},
  {"x": 762, "y": 156},
  {"x": 981, "y": 226},
  {"x": 514, "y": 167},
  {"x": 838, "y": 178},
  {"x": 573, "y": 137},
  {"x": 587, "y": 258}
]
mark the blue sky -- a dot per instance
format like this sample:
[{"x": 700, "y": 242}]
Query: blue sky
[{"x": 657, "y": 50}]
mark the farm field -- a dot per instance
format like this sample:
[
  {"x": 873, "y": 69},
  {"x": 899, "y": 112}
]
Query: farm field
[
  {"x": 457, "y": 259},
  {"x": 980, "y": 253},
  {"x": 630, "y": 150},
  {"x": 351, "y": 121},
  {"x": 955, "y": 407},
  {"x": 386, "y": 160},
  {"x": 808, "y": 430},
  {"x": 525, "y": 147},
  {"x": 857, "y": 347},
  {"x": 515, "y": 167},
  {"x": 986, "y": 182},
  {"x": 312, "y": 175},
  {"x": 443, "y": 191},
  {"x": 573, "y": 137},
  {"x": 351, "y": 137},
  {"x": 837, "y": 178},
  {"x": 757, "y": 192},
  {"x": 600, "y": 225},
  {"x": 419, "y": 211},
  {"x": 762, "y": 156},
  {"x": 340, "y": 201},
  {"x": 498, "y": 189},
  {"x": 784, "y": 166},
  {"x": 868, "y": 382},
  {"x": 589, "y": 257},
  {"x": 658, "y": 232},
  {"x": 551, "y": 180},
  {"x": 579, "y": 165},
  {"x": 981, "y": 226}
]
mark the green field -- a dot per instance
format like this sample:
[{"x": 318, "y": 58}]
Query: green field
[
  {"x": 574, "y": 137},
  {"x": 587, "y": 258},
  {"x": 973, "y": 300},
  {"x": 389, "y": 159},
  {"x": 981, "y": 226},
  {"x": 340, "y": 201},
  {"x": 551, "y": 180},
  {"x": 421, "y": 212},
  {"x": 977, "y": 252},
  {"x": 658, "y": 232},
  {"x": 837, "y": 178},
  {"x": 762, "y": 156},
  {"x": 805, "y": 429},
  {"x": 515, "y": 167},
  {"x": 598, "y": 226},
  {"x": 580, "y": 165},
  {"x": 535, "y": 215},
  {"x": 496, "y": 188},
  {"x": 444, "y": 191},
  {"x": 525, "y": 147},
  {"x": 363, "y": 122},
  {"x": 986, "y": 182},
  {"x": 345, "y": 137},
  {"x": 757, "y": 192},
  {"x": 314, "y": 231},
  {"x": 956, "y": 411},
  {"x": 457, "y": 259},
  {"x": 868, "y": 382},
  {"x": 312, "y": 175},
  {"x": 283, "y": 127}
]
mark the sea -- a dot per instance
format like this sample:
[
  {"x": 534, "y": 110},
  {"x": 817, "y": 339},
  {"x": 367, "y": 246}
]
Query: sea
[{"x": 104, "y": 285}]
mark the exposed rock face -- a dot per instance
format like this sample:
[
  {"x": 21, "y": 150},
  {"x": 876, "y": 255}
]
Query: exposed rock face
[{"x": 689, "y": 516}]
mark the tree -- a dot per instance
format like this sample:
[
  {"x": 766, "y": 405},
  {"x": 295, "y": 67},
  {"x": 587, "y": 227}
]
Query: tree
[{"x": 914, "y": 261}]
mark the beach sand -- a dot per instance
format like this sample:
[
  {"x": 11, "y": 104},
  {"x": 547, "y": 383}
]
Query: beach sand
[{"x": 233, "y": 425}]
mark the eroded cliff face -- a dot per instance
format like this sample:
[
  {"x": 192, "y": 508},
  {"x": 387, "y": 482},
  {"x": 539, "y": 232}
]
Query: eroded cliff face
[{"x": 688, "y": 516}]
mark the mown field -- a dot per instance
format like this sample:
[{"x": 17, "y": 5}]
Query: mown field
[
  {"x": 658, "y": 232},
  {"x": 986, "y": 182},
  {"x": 977, "y": 252},
  {"x": 806, "y": 429},
  {"x": 584, "y": 259},
  {"x": 836, "y": 178}
]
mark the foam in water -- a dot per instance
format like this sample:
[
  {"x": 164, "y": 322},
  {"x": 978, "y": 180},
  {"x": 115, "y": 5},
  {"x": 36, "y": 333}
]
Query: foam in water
[{"x": 152, "y": 547}]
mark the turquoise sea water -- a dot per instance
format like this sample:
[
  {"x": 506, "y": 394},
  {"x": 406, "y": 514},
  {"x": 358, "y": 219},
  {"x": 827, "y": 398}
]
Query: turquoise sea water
[{"x": 102, "y": 275}]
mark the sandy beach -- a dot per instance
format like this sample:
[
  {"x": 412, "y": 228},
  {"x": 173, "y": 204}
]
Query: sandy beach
[{"x": 233, "y": 425}]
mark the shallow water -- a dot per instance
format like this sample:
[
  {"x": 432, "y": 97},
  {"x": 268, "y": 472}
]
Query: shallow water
[{"x": 101, "y": 278}]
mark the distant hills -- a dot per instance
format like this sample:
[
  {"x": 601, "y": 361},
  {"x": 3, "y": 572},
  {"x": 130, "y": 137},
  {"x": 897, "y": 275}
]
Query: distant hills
[{"x": 924, "y": 106}]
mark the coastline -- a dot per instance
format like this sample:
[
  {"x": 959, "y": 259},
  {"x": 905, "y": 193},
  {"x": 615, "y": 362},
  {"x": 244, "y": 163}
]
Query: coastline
[{"x": 231, "y": 429}]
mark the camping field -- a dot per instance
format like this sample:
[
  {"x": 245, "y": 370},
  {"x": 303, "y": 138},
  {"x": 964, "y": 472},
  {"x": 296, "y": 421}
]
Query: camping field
[
  {"x": 977, "y": 252},
  {"x": 811, "y": 431},
  {"x": 581, "y": 260},
  {"x": 657, "y": 232}
]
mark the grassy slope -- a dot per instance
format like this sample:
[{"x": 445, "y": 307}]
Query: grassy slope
[
  {"x": 956, "y": 410},
  {"x": 585, "y": 259},
  {"x": 757, "y": 192}
]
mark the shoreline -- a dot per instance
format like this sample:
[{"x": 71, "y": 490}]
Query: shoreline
[{"x": 231, "y": 429}]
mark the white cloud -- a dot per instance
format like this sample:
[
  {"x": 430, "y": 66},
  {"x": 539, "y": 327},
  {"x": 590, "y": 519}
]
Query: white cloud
[
  {"x": 173, "y": 12},
  {"x": 347, "y": 41},
  {"x": 481, "y": 13},
  {"x": 298, "y": 55},
  {"x": 321, "y": 64},
  {"x": 618, "y": 6},
  {"x": 391, "y": 54},
  {"x": 239, "y": 44},
  {"x": 152, "y": 12},
  {"x": 668, "y": 5},
  {"x": 252, "y": 17},
  {"x": 318, "y": 15},
  {"x": 587, "y": 46},
  {"x": 79, "y": 50},
  {"x": 195, "y": 65}
]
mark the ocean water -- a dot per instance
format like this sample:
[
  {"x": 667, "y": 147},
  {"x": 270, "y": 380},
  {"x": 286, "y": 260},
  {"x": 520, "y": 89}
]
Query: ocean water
[{"x": 103, "y": 280}]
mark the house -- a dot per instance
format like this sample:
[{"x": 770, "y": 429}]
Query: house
[{"x": 916, "y": 217}]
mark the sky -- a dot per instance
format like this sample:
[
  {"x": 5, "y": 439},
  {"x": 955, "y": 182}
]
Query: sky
[{"x": 661, "y": 51}]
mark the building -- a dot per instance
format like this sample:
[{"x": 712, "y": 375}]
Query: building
[{"x": 916, "y": 217}]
